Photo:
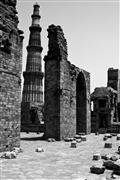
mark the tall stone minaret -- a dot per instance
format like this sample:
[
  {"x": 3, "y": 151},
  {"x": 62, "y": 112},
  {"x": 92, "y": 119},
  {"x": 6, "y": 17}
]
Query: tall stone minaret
[{"x": 32, "y": 97}]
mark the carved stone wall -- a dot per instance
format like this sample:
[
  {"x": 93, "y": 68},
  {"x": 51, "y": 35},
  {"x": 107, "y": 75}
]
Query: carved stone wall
[
  {"x": 61, "y": 79},
  {"x": 11, "y": 42}
]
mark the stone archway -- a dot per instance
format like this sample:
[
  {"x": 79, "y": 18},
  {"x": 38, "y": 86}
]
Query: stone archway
[{"x": 81, "y": 104}]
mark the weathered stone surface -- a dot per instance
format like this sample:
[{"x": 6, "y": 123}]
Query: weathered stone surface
[
  {"x": 11, "y": 42},
  {"x": 67, "y": 91},
  {"x": 32, "y": 98}
]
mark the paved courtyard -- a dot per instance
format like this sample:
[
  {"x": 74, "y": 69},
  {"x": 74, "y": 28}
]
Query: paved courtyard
[{"x": 57, "y": 162}]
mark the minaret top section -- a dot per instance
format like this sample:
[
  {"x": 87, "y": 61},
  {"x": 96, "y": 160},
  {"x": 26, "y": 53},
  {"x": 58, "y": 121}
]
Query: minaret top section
[{"x": 35, "y": 16}]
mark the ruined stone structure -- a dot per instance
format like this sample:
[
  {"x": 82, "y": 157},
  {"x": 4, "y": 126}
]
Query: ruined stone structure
[
  {"x": 67, "y": 91},
  {"x": 104, "y": 112},
  {"x": 114, "y": 81},
  {"x": 11, "y": 42},
  {"x": 106, "y": 103},
  {"x": 32, "y": 98}
]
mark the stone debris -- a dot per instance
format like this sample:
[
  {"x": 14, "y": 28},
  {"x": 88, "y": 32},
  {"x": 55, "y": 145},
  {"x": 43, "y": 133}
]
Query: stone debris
[
  {"x": 51, "y": 140},
  {"x": 83, "y": 138},
  {"x": 108, "y": 135},
  {"x": 77, "y": 136},
  {"x": 9, "y": 155},
  {"x": 109, "y": 164},
  {"x": 118, "y": 137},
  {"x": 73, "y": 144},
  {"x": 108, "y": 145},
  {"x": 114, "y": 157},
  {"x": 116, "y": 169},
  {"x": 97, "y": 169},
  {"x": 78, "y": 140},
  {"x": 96, "y": 156},
  {"x": 113, "y": 134},
  {"x": 110, "y": 157},
  {"x": 81, "y": 134},
  {"x": 118, "y": 149},
  {"x": 17, "y": 150},
  {"x": 68, "y": 139},
  {"x": 106, "y": 156},
  {"x": 105, "y": 138},
  {"x": 39, "y": 150},
  {"x": 97, "y": 133}
]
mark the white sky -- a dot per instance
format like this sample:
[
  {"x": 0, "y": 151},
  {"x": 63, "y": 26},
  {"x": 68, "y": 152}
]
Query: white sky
[{"x": 91, "y": 28}]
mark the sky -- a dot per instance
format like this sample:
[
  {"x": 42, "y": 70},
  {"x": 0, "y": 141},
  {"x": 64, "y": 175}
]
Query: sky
[{"x": 91, "y": 28}]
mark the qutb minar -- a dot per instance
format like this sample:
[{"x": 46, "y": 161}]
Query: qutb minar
[{"x": 32, "y": 98}]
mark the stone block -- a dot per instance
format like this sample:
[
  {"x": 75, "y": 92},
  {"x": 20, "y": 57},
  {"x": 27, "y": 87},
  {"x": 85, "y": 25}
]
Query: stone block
[
  {"x": 97, "y": 133},
  {"x": 118, "y": 137},
  {"x": 106, "y": 156},
  {"x": 108, "y": 145},
  {"x": 109, "y": 164},
  {"x": 73, "y": 144},
  {"x": 77, "y": 136},
  {"x": 78, "y": 140},
  {"x": 68, "y": 139},
  {"x": 105, "y": 138},
  {"x": 83, "y": 138},
  {"x": 9, "y": 155},
  {"x": 113, "y": 134},
  {"x": 17, "y": 150},
  {"x": 108, "y": 135},
  {"x": 97, "y": 169},
  {"x": 51, "y": 140},
  {"x": 116, "y": 169},
  {"x": 96, "y": 156},
  {"x": 39, "y": 150}
]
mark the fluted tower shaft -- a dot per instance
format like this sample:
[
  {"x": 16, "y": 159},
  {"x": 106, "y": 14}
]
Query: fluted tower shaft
[
  {"x": 33, "y": 90},
  {"x": 32, "y": 99}
]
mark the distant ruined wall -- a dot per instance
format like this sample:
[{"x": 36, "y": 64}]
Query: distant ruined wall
[
  {"x": 60, "y": 90},
  {"x": 114, "y": 80},
  {"x": 11, "y": 42}
]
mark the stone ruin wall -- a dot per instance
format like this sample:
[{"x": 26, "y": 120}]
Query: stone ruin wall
[
  {"x": 60, "y": 89},
  {"x": 10, "y": 75}
]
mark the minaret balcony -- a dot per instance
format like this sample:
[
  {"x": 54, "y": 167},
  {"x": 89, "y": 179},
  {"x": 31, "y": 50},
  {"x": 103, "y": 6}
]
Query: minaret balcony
[{"x": 34, "y": 48}]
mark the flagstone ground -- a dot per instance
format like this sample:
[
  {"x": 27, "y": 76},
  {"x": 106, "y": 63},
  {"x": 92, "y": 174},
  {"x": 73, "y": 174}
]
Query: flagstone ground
[{"x": 58, "y": 161}]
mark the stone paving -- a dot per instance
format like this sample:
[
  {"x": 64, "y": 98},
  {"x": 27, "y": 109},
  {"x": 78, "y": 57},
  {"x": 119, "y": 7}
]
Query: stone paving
[{"x": 58, "y": 161}]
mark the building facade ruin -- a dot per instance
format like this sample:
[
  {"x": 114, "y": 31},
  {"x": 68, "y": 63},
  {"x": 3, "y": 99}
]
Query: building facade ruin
[
  {"x": 11, "y": 43},
  {"x": 67, "y": 91},
  {"x": 106, "y": 109},
  {"x": 104, "y": 112},
  {"x": 32, "y": 97}
]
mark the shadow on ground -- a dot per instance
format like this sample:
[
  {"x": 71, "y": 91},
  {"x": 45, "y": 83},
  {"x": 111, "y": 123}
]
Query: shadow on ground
[{"x": 29, "y": 138}]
